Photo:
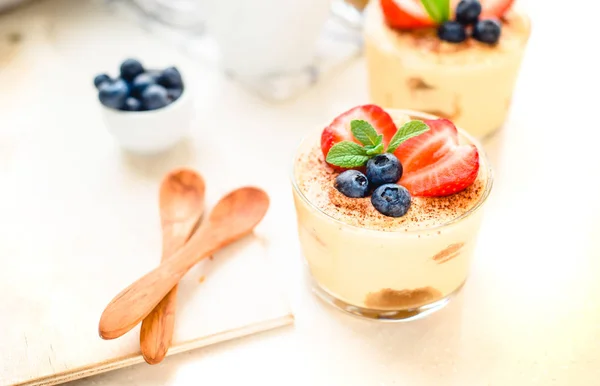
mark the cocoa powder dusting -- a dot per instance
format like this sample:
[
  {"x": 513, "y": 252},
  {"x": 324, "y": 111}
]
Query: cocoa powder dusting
[
  {"x": 425, "y": 40},
  {"x": 316, "y": 181}
]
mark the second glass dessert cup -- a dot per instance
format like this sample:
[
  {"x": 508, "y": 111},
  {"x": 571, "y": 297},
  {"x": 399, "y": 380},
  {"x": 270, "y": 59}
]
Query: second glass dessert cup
[{"x": 395, "y": 275}]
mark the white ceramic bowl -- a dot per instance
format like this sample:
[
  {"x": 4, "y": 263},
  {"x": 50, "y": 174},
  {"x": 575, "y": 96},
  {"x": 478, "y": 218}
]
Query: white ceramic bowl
[{"x": 154, "y": 131}]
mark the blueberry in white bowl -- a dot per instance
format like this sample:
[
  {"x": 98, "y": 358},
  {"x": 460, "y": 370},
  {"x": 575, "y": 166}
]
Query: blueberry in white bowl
[
  {"x": 130, "y": 68},
  {"x": 113, "y": 93},
  {"x": 164, "y": 86},
  {"x": 147, "y": 110},
  {"x": 100, "y": 79},
  {"x": 142, "y": 81},
  {"x": 154, "y": 97},
  {"x": 170, "y": 78},
  {"x": 174, "y": 93},
  {"x": 132, "y": 104}
]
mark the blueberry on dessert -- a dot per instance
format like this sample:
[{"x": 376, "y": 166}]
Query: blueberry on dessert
[
  {"x": 487, "y": 31},
  {"x": 468, "y": 11},
  {"x": 383, "y": 169},
  {"x": 391, "y": 200},
  {"x": 138, "y": 89},
  {"x": 452, "y": 31},
  {"x": 352, "y": 183}
]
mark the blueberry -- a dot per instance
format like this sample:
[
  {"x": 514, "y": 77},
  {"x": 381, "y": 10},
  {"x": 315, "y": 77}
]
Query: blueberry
[
  {"x": 142, "y": 81},
  {"x": 102, "y": 78},
  {"x": 130, "y": 68},
  {"x": 174, "y": 93},
  {"x": 452, "y": 31},
  {"x": 113, "y": 94},
  {"x": 352, "y": 183},
  {"x": 487, "y": 31},
  {"x": 391, "y": 200},
  {"x": 468, "y": 11},
  {"x": 170, "y": 77},
  {"x": 154, "y": 97},
  {"x": 383, "y": 169},
  {"x": 132, "y": 104}
]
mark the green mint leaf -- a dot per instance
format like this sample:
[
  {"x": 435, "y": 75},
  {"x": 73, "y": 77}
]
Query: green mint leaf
[
  {"x": 445, "y": 7},
  {"x": 408, "y": 130},
  {"x": 364, "y": 132},
  {"x": 374, "y": 150},
  {"x": 438, "y": 10},
  {"x": 347, "y": 155}
]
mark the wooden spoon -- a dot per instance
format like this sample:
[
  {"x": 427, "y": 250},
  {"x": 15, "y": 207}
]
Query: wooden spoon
[
  {"x": 234, "y": 216},
  {"x": 181, "y": 201}
]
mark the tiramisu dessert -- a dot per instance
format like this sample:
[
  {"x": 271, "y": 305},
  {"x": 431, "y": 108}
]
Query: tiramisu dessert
[
  {"x": 458, "y": 60},
  {"x": 389, "y": 207}
]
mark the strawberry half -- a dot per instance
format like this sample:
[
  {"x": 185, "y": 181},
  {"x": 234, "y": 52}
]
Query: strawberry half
[
  {"x": 428, "y": 147},
  {"x": 339, "y": 130},
  {"x": 405, "y": 14},
  {"x": 454, "y": 172}
]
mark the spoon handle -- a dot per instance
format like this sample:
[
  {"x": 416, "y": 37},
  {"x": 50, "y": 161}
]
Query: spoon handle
[
  {"x": 135, "y": 302},
  {"x": 157, "y": 328}
]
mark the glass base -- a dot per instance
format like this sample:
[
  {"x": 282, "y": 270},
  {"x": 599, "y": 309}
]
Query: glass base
[{"x": 405, "y": 315}]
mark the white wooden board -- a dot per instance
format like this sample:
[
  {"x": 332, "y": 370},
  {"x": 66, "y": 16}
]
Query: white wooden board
[{"x": 79, "y": 222}]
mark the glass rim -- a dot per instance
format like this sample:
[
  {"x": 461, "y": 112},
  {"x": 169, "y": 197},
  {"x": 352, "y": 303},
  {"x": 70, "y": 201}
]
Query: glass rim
[{"x": 489, "y": 181}]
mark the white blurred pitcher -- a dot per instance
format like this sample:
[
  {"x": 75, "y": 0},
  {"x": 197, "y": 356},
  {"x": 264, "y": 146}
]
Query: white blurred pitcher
[{"x": 262, "y": 38}]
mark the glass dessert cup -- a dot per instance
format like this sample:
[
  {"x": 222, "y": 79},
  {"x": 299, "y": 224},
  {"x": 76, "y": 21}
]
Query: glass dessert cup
[
  {"x": 469, "y": 83},
  {"x": 395, "y": 275}
]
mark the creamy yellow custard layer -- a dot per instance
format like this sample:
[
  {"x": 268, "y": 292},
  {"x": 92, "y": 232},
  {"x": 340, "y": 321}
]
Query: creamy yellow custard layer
[{"x": 470, "y": 83}]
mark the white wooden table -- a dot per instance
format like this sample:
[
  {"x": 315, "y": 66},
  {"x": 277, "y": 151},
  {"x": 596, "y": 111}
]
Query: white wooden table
[{"x": 530, "y": 313}]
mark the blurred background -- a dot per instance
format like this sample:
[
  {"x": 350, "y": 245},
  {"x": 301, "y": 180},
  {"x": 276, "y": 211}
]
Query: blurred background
[{"x": 262, "y": 74}]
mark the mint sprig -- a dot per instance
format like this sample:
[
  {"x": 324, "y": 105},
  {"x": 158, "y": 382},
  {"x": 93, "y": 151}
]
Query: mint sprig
[
  {"x": 365, "y": 133},
  {"x": 408, "y": 130},
  {"x": 374, "y": 150},
  {"x": 348, "y": 154},
  {"x": 438, "y": 10}
]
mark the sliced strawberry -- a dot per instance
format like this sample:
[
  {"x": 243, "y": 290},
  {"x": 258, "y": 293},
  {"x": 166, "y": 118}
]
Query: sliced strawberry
[
  {"x": 454, "y": 172},
  {"x": 428, "y": 147},
  {"x": 405, "y": 14},
  {"x": 494, "y": 8},
  {"x": 339, "y": 129}
]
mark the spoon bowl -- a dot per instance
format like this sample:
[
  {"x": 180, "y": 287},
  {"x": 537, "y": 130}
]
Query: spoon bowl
[{"x": 181, "y": 196}]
